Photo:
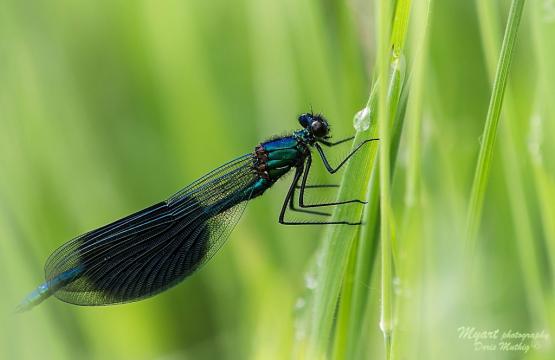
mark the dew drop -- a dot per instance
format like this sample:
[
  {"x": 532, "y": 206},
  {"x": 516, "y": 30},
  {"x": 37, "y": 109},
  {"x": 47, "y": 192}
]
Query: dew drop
[
  {"x": 535, "y": 139},
  {"x": 300, "y": 303},
  {"x": 397, "y": 285},
  {"x": 310, "y": 281},
  {"x": 300, "y": 333},
  {"x": 361, "y": 121}
]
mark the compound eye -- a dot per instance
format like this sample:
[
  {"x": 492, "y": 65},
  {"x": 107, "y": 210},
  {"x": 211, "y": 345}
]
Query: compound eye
[
  {"x": 319, "y": 129},
  {"x": 305, "y": 120}
]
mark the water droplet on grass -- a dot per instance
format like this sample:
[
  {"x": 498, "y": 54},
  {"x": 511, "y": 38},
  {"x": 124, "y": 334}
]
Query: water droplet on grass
[
  {"x": 535, "y": 139},
  {"x": 361, "y": 121},
  {"x": 397, "y": 285},
  {"x": 310, "y": 281},
  {"x": 300, "y": 303}
]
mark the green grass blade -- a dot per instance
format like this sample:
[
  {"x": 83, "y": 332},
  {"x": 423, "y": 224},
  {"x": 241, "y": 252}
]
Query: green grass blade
[
  {"x": 349, "y": 338},
  {"x": 329, "y": 269},
  {"x": 332, "y": 257},
  {"x": 515, "y": 185},
  {"x": 383, "y": 58},
  {"x": 481, "y": 174},
  {"x": 411, "y": 248}
]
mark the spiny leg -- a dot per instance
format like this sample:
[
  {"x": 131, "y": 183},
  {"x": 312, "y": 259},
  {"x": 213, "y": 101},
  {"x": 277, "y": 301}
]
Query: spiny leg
[
  {"x": 293, "y": 208},
  {"x": 287, "y": 199},
  {"x": 330, "y": 144},
  {"x": 330, "y": 169},
  {"x": 315, "y": 186},
  {"x": 303, "y": 186}
]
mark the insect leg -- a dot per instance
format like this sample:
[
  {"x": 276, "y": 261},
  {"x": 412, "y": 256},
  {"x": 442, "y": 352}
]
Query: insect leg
[
  {"x": 288, "y": 197},
  {"x": 293, "y": 208},
  {"x": 303, "y": 185},
  {"x": 330, "y": 169},
  {"x": 330, "y": 144}
]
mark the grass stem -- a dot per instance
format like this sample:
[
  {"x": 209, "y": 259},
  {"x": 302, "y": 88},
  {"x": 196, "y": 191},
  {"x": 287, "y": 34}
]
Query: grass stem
[{"x": 485, "y": 155}]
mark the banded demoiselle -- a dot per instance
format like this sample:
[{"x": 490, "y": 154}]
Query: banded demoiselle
[{"x": 155, "y": 248}]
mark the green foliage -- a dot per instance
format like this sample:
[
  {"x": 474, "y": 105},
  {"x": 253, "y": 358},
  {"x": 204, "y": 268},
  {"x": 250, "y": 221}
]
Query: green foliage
[
  {"x": 107, "y": 107},
  {"x": 492, "y": 119}
]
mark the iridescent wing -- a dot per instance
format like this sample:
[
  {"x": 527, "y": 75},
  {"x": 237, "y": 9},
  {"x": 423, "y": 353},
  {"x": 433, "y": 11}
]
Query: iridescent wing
[{"x": 154, "y": 249}]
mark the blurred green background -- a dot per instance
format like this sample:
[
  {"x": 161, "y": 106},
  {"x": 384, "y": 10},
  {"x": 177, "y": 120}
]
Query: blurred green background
[{"x": 109, "y": 106}]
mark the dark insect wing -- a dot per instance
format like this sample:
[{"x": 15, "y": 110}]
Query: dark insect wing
[{"x": 149, "y": 251}]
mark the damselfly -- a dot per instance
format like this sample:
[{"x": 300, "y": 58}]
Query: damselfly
[{"x": 152, "y": 250}]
